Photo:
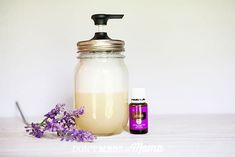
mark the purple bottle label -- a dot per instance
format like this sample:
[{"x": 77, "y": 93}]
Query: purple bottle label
[{"x": 138, "y": 117}]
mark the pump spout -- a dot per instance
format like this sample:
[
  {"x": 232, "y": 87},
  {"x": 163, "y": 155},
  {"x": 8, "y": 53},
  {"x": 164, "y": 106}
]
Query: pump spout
[{"x": 102, "y": 19}]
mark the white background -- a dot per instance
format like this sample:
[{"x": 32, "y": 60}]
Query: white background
[{"x": 181, "y": 51}]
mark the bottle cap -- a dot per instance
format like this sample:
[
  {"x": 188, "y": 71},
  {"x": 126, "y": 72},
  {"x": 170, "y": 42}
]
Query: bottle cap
[{"x": 138, "y": 94}]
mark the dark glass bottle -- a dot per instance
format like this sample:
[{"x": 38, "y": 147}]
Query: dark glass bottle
[{"x": 138, "y": 112}]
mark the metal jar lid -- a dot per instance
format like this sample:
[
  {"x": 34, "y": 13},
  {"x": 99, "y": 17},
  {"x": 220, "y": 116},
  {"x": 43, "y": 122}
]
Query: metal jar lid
[
  {"x": 101, "y": 42},
  {"x": 101, "y": 45}
]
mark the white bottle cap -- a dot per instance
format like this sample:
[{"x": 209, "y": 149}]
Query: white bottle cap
[{"x": 138, "y": 94}]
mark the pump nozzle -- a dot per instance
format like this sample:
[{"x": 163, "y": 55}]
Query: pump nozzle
[
  {"x": 100, "y": 41},
  {"x": 102, "y": 19}
]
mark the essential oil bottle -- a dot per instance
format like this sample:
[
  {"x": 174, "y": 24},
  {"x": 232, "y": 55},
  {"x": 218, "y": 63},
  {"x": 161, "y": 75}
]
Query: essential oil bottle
[{"x": 138, "y": 112}]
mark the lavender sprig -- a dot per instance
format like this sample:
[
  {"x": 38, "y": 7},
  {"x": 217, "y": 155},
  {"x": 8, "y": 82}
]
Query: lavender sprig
[{"x": 61, "y": 122}]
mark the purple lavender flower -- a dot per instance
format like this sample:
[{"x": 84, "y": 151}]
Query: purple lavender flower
[
  {"x": 35, "y": 130},
  {"x": 53, "y": 126},
  {"x": 55, "y": 111},
  {"x": 67, "y": 120},
  {"x": 63, "y": 124},
  {"x": 78, "y": 112},
  {"x": 78, "y": 135}
]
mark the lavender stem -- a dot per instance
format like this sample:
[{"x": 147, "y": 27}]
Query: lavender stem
[{"x": 21, "y": 114}]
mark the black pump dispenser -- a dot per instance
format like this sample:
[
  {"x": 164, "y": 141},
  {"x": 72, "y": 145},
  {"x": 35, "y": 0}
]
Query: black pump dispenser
[
  {"x": 101, "y": 20},
  {"x": 101, "y": 42}
]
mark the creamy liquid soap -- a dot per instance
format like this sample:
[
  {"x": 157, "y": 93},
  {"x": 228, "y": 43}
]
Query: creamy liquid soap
[
  {"x": 101, "y": 82},
  {"x": 105, "y": 113},
  {"x": 101, "y": 87}
]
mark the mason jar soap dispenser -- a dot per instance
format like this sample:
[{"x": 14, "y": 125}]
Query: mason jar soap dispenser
[{"x": 101, "y": 81}]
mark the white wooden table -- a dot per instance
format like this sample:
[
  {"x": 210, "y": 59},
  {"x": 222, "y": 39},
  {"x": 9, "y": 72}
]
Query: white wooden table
[{"x": 169, "y": 135}]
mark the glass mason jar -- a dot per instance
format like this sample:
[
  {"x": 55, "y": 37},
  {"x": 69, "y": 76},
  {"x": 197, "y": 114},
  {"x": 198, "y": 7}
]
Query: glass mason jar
[{"x": 101, "y": 86}]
